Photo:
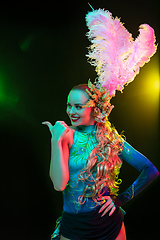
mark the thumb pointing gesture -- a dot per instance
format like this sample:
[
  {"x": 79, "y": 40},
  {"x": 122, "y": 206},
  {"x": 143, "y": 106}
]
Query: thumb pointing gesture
[
  {"x": 58, "y": 130},
  {"x": 50, "y": 126}
]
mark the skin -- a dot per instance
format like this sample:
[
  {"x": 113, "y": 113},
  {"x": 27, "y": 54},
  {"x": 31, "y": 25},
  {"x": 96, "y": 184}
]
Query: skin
[
  {"x": 75, "y": 102},
  {"x": 62, "y": 137}
]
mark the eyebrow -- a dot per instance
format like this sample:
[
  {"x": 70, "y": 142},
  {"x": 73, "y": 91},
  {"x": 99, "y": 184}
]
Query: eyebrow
[{"x": 76, "y": 103}]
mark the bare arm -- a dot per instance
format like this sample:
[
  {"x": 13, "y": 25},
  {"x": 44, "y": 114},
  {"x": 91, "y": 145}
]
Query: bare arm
[
  {"x": 60, "y": 141},
  {"x": 59, "y": 172}
]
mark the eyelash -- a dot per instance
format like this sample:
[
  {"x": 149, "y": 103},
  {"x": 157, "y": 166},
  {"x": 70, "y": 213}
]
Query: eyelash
[{"x": 78, "y": 107}]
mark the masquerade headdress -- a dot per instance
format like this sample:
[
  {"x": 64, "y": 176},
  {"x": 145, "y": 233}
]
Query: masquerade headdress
[{"x": 116, "y": 56}]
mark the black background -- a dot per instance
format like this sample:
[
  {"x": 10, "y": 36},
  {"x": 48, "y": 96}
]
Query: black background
[{"x": 42, "y": 56}]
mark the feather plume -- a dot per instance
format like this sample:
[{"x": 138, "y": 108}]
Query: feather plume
[{"x": 113, "y": 51}]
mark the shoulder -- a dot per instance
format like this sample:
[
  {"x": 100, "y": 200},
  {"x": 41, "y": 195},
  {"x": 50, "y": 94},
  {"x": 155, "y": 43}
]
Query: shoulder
[
  {"x": 69, "y": 136},
  {"x": 72, "y": 128}
]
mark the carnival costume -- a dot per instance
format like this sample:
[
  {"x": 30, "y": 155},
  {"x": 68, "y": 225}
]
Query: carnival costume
[{"x": 117, "y": 59}]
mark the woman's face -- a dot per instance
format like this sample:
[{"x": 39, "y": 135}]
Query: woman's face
[{"x": 77, "y": 114}]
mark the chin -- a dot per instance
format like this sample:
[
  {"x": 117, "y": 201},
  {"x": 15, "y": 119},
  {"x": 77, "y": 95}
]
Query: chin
[{"x": 76, "y": 124}]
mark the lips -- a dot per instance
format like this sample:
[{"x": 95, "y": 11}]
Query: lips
[{"x": 75, "y": 119}]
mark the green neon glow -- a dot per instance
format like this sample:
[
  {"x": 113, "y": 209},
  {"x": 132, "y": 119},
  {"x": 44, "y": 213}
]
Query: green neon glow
[
  {"x": 25, "y": 44},
  {"x": 6, "y": 98}
]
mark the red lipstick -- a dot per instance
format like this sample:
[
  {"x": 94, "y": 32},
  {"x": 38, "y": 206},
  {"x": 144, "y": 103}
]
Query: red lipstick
[{"x": 74, "y": 119}]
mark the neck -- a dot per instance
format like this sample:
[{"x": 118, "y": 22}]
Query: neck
[{"x": 84, "y": 128}]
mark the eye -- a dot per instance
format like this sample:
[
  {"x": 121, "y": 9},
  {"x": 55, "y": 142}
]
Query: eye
[{"x": 79, "y": 107}]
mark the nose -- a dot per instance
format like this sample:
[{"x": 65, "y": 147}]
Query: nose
[{"x": 72, "y": 110}]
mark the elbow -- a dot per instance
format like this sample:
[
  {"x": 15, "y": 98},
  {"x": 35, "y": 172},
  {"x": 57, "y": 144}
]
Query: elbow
[
  {"x": 57, "y": 185},
  {"x": 155, "y": 172},
  {"x": 59, "y": 189}
]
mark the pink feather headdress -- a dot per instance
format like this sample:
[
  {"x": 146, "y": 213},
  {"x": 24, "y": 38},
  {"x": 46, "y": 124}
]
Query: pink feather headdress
[{"x": 115, "y": 54}]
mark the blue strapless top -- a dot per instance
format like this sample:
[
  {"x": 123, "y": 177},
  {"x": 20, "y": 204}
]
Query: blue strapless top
[{"x": 83, "y": 144}]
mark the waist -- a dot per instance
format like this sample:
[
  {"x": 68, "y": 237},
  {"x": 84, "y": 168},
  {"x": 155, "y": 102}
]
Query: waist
[
  {"x": 76, "y": 207},
  {"x": 73, "y": 201}
]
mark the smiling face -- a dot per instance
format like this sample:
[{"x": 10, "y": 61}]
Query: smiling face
[{"x": 77, "y": 114}]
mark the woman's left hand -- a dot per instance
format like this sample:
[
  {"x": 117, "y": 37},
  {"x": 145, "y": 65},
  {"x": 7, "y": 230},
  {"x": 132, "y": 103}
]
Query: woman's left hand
[{"x": 108, "y": 205}]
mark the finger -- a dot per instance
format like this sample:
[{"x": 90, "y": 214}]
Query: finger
[
  {"x": 107, "y": 209},
  {"x": 112, "y": 211},
  {"x": 104, "y": 197},
  {"x": 62, "y": 123},
  {"x": 105, "y": 205},
  {"x": 67, "y": 129},
  {"x": 47, "y": 123},
  {"x": 65, "y": 125}
]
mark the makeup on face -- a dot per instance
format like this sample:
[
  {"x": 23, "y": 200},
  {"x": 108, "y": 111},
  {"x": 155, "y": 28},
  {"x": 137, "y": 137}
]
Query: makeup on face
[{"x": 77, "y": 114}]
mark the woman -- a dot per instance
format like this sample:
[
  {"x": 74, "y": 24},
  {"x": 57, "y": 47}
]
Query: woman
[
  {"x": 86, "y": 158},
  {"x": 90, "y": 213}
]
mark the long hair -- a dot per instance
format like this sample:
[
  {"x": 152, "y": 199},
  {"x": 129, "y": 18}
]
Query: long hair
[{"x": 103, "y": 164}]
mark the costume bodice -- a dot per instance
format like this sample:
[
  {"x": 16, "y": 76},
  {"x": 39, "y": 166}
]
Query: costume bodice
[{"x": 83, "y": 144}]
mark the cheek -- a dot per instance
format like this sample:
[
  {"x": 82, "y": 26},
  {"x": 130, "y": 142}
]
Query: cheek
[{"x": 87, "y": 112}]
